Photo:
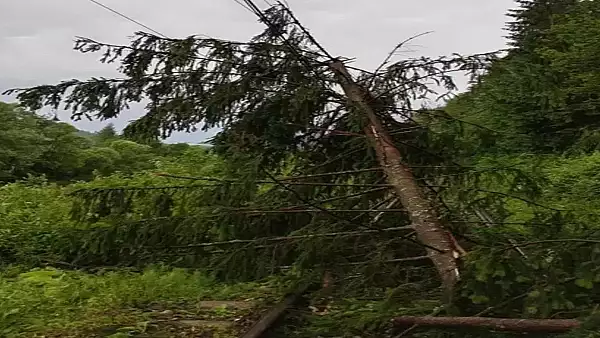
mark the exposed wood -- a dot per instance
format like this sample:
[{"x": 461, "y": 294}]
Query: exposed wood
[
  {"x": 272, "y": 315},
  {"x": 327, "y": 284},
  {"x": 499, "y": 324},
  {"x": 423, "y": 216}
]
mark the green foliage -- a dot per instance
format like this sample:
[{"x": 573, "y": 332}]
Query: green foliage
[
  {"x": 511, "y": 165},
  {"x": 98, "y": 161},
  {"x": 279, "y": 105},
  {"x": 542, "y": 96},
  {"x": 532, "y": 19},
  {"x": 38, "y": 227},
  {"x": 34, "y": 145},
  {"x": 33, "y": 217},
  {"x": 346, "y": 318},
  {"x": 133, "y": 157},
  {"x": 49, "y": 300},
  {"x": 106, "y": 134}
]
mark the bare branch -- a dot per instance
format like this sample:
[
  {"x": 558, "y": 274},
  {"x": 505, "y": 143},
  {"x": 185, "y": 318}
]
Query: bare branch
[
  {"x": 391, "y": 54},
  {"x": 499, "y": 324}
]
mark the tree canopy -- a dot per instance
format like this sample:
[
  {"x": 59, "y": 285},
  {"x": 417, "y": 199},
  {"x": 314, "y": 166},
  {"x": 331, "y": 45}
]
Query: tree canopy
[{"x": 483, "y": 206}]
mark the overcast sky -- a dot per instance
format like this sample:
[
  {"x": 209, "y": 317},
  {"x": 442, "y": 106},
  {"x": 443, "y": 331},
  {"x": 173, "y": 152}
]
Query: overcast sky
[{"x": 36, "y": 36}]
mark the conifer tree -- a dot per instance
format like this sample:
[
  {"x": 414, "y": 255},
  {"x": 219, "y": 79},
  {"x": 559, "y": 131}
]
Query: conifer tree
[
  {"x": 107, "y": 134},
  {"x": 531, "y": 20},
  {"x": 319, "y": 158},
  {"x": 287, "y": 108}
]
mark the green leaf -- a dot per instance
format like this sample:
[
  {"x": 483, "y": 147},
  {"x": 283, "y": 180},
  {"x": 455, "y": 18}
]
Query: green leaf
[
  {"x": 479, "y": 299},
  {"x": 499, "y": 272},
  {"x": 119, "y": 335},
  {"x": 584, "y": 283},
  {"x": 10, "y": 313},
  {"x": 531, "y": 310}
]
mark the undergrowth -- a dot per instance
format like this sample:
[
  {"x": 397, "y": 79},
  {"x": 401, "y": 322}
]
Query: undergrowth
[{"x": 50, "y": 300}]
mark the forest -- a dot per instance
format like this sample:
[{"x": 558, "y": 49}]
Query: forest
[{"x": 370, "y": 203}]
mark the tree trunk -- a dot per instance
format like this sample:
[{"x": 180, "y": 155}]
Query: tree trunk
[
  {"x": 499, "y": 324},
  {"x": 275, "y": 313},
  {"x": 424, "y": 219}
]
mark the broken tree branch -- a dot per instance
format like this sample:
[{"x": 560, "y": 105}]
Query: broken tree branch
[
  {"x": 270, "y": 317},
  {"x": 499, "y": 324}
]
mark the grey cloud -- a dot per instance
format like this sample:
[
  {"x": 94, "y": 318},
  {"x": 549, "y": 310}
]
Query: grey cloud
[{"x": 36, "y": 35}]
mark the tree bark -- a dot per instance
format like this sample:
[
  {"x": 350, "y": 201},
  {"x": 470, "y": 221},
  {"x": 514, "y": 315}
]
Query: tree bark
[
  {"x": 424, "y": 218},
  {"x": 275, "y": 313},
  {"x": 499, "y": 324}
]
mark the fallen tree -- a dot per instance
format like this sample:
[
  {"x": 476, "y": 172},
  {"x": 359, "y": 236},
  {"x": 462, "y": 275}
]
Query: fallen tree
[
  {"x": 498, "y": 324},
  {"x": 278, "y": 97}
]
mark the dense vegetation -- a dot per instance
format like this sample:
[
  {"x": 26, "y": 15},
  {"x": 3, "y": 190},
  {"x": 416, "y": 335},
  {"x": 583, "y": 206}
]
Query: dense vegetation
[
  {"x": 37, "y": 146},
  {"x": 291, "y": 189}
]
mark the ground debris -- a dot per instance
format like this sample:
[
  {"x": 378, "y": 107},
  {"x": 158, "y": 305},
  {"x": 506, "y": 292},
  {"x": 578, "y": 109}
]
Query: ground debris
[{"x": 208, "y": 318}]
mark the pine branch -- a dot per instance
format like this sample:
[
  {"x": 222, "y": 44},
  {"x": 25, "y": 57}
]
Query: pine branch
[
  {"x": 444, "y": 115},
  {"x": 391, "y": 54},
  {"x": 294, "y": 237},
  {"x": 279, "y": 33},
  {"x": 375, "y": 207},
  {"x": 322, "y": 184},
  {"x": 385, "y": 261},
  {"x": 287, "y": 179},
  {"x": 201, "y": 42},
  {"x": 528, "y": 201},
  {"x": 323, "y": 210},
  {"x": 344, "y": 197},
  {"x": 341, "y": 218},
  {"x": 563, "y": 240},
  {"x": 345, "y": 172},
  {"x": 166, "y": 187},
  {"x": 224, "y": 182},
  {"x": 156, "y": 77},
  {"x": 310, "y": 37},
  {"x": 389, "y": 261},
  {"x": 291, "y": 178}
]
